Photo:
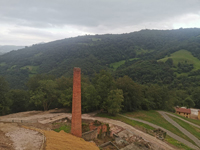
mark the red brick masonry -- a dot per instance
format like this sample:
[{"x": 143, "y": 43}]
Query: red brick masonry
[
  {"x": 76, "y": 126},
  {"x": 102, "y": 127}
]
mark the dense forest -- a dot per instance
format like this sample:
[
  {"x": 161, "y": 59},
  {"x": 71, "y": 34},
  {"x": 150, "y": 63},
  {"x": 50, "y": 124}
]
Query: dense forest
[{"x": 149, "y": 69}]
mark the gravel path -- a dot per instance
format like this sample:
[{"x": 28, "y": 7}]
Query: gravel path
[
  {"x": 167, "y": 131},
  {"x": 181, "y": 119},
  {"x": 23, "y": 139},
  {"x": 188, "y": 134},
  {"x": 156, "y": 143}
]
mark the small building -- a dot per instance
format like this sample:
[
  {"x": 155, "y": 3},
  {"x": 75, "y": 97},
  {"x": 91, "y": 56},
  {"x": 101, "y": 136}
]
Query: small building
[
  {"x": 199, "y": 114},
  {"x": 183, "y": 112}
]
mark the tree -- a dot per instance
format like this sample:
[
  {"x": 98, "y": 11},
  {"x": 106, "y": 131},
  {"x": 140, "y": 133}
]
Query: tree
[
  {"x": 103, "y": 83},
  {"x": 89, "y": 97},
  {"x": 196, "y": 97},
  {"x": 20, "y": 99},
  {"x": 157, "y": 96},
  {"x": 114, "y": 101},
  {"x": 33, "y": 82},
  {"x": 64, "y": 87},
  {"x": 5, "y": 102},
  {"x": 45, "y": 94},
  {"x": 189, "y": 103},
  {"x": 132, "y": 93},
  {"x": 169, "y": 62}
]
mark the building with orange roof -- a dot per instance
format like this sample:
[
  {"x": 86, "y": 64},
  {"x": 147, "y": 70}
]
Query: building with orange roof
[{"x": 183, "y": 112}]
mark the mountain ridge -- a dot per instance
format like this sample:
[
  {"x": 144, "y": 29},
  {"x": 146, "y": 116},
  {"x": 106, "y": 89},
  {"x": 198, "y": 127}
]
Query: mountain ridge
[
  {"x": 8, "y": 48},
  {"x": 93, "y": 53}
]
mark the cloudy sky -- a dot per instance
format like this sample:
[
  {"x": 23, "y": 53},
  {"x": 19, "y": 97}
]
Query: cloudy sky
[{"x": 26, "y": 22}]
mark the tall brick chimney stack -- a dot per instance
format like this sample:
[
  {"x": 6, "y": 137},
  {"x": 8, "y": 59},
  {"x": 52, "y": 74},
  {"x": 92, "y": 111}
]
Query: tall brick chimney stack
[{"x": 76, "y": 126}]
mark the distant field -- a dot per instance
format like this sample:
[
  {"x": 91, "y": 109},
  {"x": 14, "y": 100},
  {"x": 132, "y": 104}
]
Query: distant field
[
  {"x": 2, "y": 64},
  {"x": 32, "y": 69},
  {"x": 36, "y": 55},
  {"x": 96, "y": 39},
  {"x": 119, "y": 63},
  {"x": 140, "y": 51},
  {"x": 182, "y": 56}
]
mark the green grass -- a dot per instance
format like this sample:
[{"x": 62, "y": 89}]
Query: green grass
[
  {"x": 193, "y": 130},
  {"x": 147, "y": 128},
  {"x": 155, "y": 118},
  {"x": 38, "y": 54},
  {"x": 96, "y": 39},
  {"x": 119, "y": 63},
  {"x": 32, "y": 69},
  {"x": 2, "y": 64},
  {"x": 142, "y": 51},
  {"x": 133, "y": 123},
  {"x": 13, "y": 66},
  {"x": 177, "y": 143},
  {"x": 182, "y": 56},
  {"x": 197, "y": 122},
  {"x": 65, "y": 128}
]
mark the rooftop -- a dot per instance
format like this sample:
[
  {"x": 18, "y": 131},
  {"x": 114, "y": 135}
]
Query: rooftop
[{"x": 183, "y": 110}]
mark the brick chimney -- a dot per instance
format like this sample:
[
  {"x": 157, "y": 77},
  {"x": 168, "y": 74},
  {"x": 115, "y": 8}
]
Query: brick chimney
[{"x": 76, "y": 126}]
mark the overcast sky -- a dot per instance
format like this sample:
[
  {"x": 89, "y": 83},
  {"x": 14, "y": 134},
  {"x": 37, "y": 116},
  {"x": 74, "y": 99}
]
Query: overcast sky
[{"x": 26, "y": 22}]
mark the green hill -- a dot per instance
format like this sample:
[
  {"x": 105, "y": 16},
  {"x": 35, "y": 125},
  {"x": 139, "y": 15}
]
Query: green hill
[
  {"x": 134, "y": 54},
  {"x": 183, "y": 56}
]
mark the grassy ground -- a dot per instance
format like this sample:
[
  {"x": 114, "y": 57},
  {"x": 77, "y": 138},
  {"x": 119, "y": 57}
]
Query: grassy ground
[
  {"x": 182, "y": 56},
  {"x": 2, "y": 64},
  {"x": 96, "y": 39},
  {"x": 133, "y": 123},
  {"x": 32, "y": 69},
  {"x": 65, "y": 128},
  {"x": 155, "y": 118},
  {"x": 193, "y": 130},
  {"x": 38, "y": 54},
  {"x": 197, "y": 122},
  {"x": 143, "y": 51},
  {"x": 119, "y": 63},
  {"x": 176, "y": 143},
  {"x": 146, "y": 128}
]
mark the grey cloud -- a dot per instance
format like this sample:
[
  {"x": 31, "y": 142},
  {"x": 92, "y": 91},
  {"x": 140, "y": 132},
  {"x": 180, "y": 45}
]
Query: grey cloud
[
  {"x": 35, "y": 17},
  {"x": 92, "y": 13},
  {"x": 33, "y": 32}
]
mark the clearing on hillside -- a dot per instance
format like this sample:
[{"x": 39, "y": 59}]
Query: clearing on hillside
[
  {"x": 183, "y": 56},
  {"x": 119, "y": 63}
]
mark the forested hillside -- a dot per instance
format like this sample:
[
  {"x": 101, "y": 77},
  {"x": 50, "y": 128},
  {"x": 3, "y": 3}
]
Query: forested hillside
[
  {"x": 165, "y": 60},
  {"x": 135, "y": 51},
  {"x": 8, "y": 48}
]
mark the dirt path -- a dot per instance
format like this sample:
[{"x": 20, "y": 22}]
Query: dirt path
[
  {"x": 23, "y": 139},
  {"x": 174, "y": 136},
  {"x": 184, "y": 131},
  {"x": 181, "y": 119},
  {"x": 5, "y": 142},
  {"x": 157, "y": 144},
  {"x": 40, "y": 117},
  {"x": 47, "y": 117}
]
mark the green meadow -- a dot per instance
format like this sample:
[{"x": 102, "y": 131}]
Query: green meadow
[
  {"x": 193, "y": 130},
  {"x": 2, "y": 64},
  {"x": 155, "y": 118},
  {"x": 32, "y": 69},
  {"x": 115, "y": 65},
  {"x": 183, "y": 56}
]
